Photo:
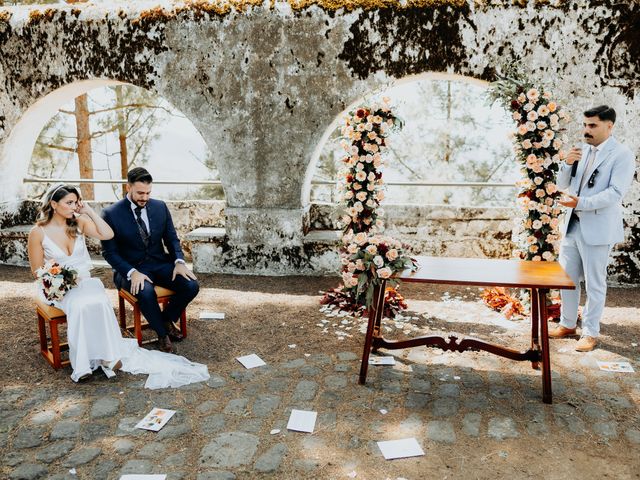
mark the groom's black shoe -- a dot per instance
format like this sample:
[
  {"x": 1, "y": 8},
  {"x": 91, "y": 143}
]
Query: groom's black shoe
[
  {"x": 174, "y": 334},
  {"x": 164, "y": 344}
]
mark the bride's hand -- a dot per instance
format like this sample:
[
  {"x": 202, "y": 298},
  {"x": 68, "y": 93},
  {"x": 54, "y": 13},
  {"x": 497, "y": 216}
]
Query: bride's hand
[{"x": 83, "y": 208}]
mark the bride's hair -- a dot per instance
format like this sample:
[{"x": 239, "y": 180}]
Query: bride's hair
[{"x": 55, "y": 194}]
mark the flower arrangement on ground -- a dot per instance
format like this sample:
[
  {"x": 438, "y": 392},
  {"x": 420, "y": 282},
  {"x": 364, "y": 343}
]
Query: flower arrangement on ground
[
  {"x": 537, "y": 144},
  {"x": 56, "y": 280},
  {"x": 368, "y": 258}
]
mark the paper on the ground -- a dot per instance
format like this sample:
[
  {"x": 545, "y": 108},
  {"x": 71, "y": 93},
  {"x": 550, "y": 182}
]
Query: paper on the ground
[
  {"x": 407, "y": 447},
  {"x": 616, "y": 367},
  {"x": 155, "y": 419},
  {"x": 211, "y": 315},
  {"x": 251, "y": 361},
  {"x": 382, "y": 361},
  {"x": 138, "y": 476},
  {"x": 302, "y": 421}
]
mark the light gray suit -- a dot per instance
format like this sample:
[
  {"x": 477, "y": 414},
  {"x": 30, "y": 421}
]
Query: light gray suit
[{"x": 584, "y": 252}]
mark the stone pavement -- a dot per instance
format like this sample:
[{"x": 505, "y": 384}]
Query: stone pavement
[{"x": 476, "y": 416}]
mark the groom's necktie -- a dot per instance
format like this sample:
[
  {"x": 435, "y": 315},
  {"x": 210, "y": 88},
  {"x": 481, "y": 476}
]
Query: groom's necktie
[
  {"x": 587, "y": 169},
  {"x": 142, "y": 227}
]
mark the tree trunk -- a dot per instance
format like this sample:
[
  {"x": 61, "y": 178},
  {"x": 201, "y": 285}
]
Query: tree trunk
[
  {"x": 83, "y": 130},
  {"x": 122, "y": 137}
]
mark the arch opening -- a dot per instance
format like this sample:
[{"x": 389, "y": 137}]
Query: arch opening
[
  {"x": 451, "y": 135},
  {"x": 123, "y": 126}
]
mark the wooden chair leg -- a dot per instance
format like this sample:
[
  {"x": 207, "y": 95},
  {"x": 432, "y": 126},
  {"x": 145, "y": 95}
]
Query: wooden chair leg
[
  {"x": 122, "y": 313},
  {"x": 55, "y": 345},
  {"x": 42, "y": 331},
  {"x": 183, "y": 323},
  {"x": 137, "y": 323}
]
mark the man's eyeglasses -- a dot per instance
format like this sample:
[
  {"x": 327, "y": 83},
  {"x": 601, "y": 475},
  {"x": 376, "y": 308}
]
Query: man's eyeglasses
[{"x": 592, "y": 179}]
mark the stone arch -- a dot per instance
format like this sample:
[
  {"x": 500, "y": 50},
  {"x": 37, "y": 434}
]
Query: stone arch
[{"x": 305, "y": 193}]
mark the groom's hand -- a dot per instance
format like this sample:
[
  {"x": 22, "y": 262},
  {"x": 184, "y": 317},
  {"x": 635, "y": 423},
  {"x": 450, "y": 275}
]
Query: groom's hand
[
  {"x": 137, "y": 281},
  {"x": 181, "y": 269}
]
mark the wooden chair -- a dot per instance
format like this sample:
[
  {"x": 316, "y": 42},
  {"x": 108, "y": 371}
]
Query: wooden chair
[
  {"x": 164, "y": 295},
  {"x": 51, "y": 351}
]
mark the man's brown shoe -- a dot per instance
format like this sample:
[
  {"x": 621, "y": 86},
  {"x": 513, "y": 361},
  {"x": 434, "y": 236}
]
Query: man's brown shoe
[
  {"x": 586, "y": 344},
  {"x": 561, "y": 332},
  {"x": 164, "y": 344}
]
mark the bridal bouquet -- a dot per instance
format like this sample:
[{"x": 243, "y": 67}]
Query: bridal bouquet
[
  {"x": 371, "y": 259},
  {"x": 56, "y": 280}
]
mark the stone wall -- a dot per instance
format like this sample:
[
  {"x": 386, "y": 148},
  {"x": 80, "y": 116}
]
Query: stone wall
[{"x": 262, "y": 81}]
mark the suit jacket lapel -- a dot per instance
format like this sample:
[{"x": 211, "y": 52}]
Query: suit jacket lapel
[{"x": 604, "y": 154}]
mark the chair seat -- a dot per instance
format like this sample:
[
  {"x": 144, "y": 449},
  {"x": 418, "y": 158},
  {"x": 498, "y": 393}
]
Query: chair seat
[
  {"x": 48, "y": 310},
  {"x": 160, "y": 292}
]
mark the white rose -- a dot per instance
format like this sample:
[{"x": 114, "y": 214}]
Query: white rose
[
  {"x": 378, "y": 260},
  {"x": 384, "y": 272}
]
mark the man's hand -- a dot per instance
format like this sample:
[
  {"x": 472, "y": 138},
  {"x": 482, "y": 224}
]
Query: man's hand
[
  {"x": 137, "y": 281},
  {"x": 570, "y": 201},
  {"x": 181, "y": 269},
  {"x": 574, "y": 155}
]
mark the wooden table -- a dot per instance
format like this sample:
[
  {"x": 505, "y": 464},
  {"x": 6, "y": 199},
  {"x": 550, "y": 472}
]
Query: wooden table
[{"x": 539, "y": 277}]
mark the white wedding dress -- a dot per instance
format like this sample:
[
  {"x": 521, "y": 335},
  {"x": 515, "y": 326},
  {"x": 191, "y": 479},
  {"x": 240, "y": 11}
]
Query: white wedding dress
[{"x": 94, "y": 336}]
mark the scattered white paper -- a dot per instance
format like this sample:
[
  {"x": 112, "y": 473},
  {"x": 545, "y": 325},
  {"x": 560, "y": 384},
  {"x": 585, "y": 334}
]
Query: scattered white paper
[
  {"x": 139, "y": 476},
  {"x": 624, "y": 367},
  {"x": 302, "y": 421},
  {"x": 383, "y": 411},
  {"x": 382, "y": 361},
  {"x": 211, "y": 315},
  {"x": 155, "y": 419},
  {"x": 251, "y": 361},
  {"x": 407, "y": 447},
  {"x": 275, "y": 431},
  {"x": 352, "y": 474},
  {"x": 73, "y": 471},
  {"x": 456, "y": 377},
  {"x": 633, "y": 344},
  {"x": 307, "y": 354},
  {"x": 293, "y": 345}
]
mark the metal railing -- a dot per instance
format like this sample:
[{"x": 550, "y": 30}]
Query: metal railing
[{"x": 218, "y": 182}]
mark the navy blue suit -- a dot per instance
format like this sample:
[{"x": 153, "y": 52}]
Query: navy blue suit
[{"x": 127, "y": 250}]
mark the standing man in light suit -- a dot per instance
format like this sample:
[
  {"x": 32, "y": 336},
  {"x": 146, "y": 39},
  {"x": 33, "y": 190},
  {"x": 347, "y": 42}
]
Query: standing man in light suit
[{"x": 594, "y": 191}]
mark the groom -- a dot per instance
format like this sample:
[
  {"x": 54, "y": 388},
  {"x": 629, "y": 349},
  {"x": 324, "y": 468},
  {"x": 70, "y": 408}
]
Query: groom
[{"x": 146, "y": 251}]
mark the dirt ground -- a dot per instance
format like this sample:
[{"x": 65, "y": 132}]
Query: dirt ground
[{"x": 265, "y": 315}]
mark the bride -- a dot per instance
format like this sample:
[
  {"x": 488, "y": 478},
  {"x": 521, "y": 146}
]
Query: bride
[{"x": 94, "y": 337}]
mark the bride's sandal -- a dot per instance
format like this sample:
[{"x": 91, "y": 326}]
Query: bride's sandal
[
  {"x": 109, "y": 367},
  {"x": 115, "y": 365}
]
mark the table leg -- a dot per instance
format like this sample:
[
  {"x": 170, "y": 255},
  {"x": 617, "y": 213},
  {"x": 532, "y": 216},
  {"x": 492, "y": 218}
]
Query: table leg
[
  {"x": 375, "y": 315},
  {"x": 547, "y": 396},
  {"x": 535, "y": 326}
]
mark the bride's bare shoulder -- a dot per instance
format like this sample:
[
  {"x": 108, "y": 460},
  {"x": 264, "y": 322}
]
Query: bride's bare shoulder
[{"x": 36, "y": 232}]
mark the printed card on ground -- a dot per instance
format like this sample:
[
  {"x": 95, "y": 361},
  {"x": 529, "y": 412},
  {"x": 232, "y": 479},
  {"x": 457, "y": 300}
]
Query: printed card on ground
[
  {"x": 382, "y": 361},
  {"x": 251, "y": 361},
  {"x": 302, "y": 421},
  {"x": 155, "y": 419},
  {"x": 624, "y": 367},
  {"x": 211, "y": 315},
  {"x": 407, "y": 447},
  {"x": 143, "y": 477},
  {"x": 138, "y": 476}
]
